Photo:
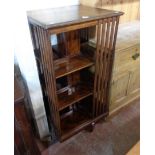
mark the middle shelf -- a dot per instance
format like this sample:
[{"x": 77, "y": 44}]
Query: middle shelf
[
  {"x": 74, "y": 87},
  {"x": 70, "y": 65}
]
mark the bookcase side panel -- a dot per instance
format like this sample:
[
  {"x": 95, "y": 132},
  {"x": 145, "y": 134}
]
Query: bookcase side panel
[
  {"x": 45, "y": 60},
  {"x": 106, "y": 38}
]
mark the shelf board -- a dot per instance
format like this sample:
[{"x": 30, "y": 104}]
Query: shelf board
[
  {"x": 74, "y": 64},
  {"x": 82, "y": 92},
  {"x": 73, "y": 123}
]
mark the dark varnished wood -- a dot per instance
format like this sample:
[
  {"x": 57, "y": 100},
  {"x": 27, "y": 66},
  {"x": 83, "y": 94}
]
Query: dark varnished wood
[
  {"x": 91, "y": 127},
  {"x": 81, "y": 91},
  {"x": 74, "y": 102},
  {"x": 73, "y": 64},
  {"x": 64, "y": 16},
  {"x": 78, "y": 26},
  {"x": 106, "y": 39},
  {"x": 73, "y": 122}
]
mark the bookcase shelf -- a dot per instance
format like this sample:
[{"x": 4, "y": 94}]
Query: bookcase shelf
[
  {"x": 72, "y": 65},
  {"x": 73, "y": 122},
  {"x": 81, "y": 92}
]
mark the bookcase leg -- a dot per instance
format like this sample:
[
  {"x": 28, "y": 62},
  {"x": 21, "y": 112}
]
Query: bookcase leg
[{"x": 91, "y": 127}]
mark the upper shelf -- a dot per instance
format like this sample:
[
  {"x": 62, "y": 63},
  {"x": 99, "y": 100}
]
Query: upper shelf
[
  {"x": 65, "y": 66},
  {"x": 63, "y": 16}
]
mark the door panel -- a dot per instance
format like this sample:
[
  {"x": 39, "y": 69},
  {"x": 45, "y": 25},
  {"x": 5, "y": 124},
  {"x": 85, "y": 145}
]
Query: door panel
[
  {"x": 119, "y": 88},
  {"x": 134, "y": 84}
]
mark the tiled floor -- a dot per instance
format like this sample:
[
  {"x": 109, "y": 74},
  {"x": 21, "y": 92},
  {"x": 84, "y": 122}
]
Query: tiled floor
[{"x": 114, "y": 137}]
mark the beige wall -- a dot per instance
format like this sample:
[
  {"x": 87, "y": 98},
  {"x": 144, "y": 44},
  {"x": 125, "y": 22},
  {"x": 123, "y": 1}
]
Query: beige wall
[{"x": 129, "y": 7}]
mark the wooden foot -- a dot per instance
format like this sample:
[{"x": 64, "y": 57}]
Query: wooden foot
[{"x": 90, "y": 128}]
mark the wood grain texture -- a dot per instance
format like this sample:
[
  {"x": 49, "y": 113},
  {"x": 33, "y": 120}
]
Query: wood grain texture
[{"x": 129, "y": 7}]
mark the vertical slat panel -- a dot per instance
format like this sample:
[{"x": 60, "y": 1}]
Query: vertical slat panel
[
  {"x": 106, "y": 38},
  {"x": 48, "y": 71},
  {"x": 111, "y": 62},
  {"x": 44, "y": 58},
  {"x": 51, "y": 76},
  {"x": 107, "y": 60}
]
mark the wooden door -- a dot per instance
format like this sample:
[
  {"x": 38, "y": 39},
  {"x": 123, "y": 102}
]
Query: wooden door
[
  {"x": 119, "y": 88},
  {"x": 124, "y": 89}
]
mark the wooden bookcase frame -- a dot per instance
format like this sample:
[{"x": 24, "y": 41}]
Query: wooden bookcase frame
[{"x": 104, "y": 55}]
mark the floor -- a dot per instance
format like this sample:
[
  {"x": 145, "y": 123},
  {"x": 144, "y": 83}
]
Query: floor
[
  {"x": 135, "y": 150},
  {"x": 116, "y": 136}
]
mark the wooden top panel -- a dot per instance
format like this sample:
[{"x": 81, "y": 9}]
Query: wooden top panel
[{"x": 63, "y": 16}]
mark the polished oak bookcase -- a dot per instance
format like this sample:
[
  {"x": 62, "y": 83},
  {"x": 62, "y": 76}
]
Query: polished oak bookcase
[{"x": 65, "y": 57}]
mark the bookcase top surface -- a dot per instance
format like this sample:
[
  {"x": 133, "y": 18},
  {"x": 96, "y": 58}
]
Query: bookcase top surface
[{"x": 63, "y": 16}]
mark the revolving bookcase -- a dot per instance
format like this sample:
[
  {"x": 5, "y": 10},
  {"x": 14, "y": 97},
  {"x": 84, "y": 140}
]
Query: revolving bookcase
[{"x": 75, "y": 76}]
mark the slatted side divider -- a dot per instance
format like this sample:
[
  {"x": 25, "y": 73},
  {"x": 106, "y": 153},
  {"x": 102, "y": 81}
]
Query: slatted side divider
[
  {"x": 111, "y": 58},
  {"x": 84, "y": 34},
  {"x": 46, "y": 57},
  {"x": 106, "y": 39}
]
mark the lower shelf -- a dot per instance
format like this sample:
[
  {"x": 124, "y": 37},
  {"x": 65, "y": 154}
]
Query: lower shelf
[
  {"x": 80, "y": 93},
  {"x": 73, "y": 122}
]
